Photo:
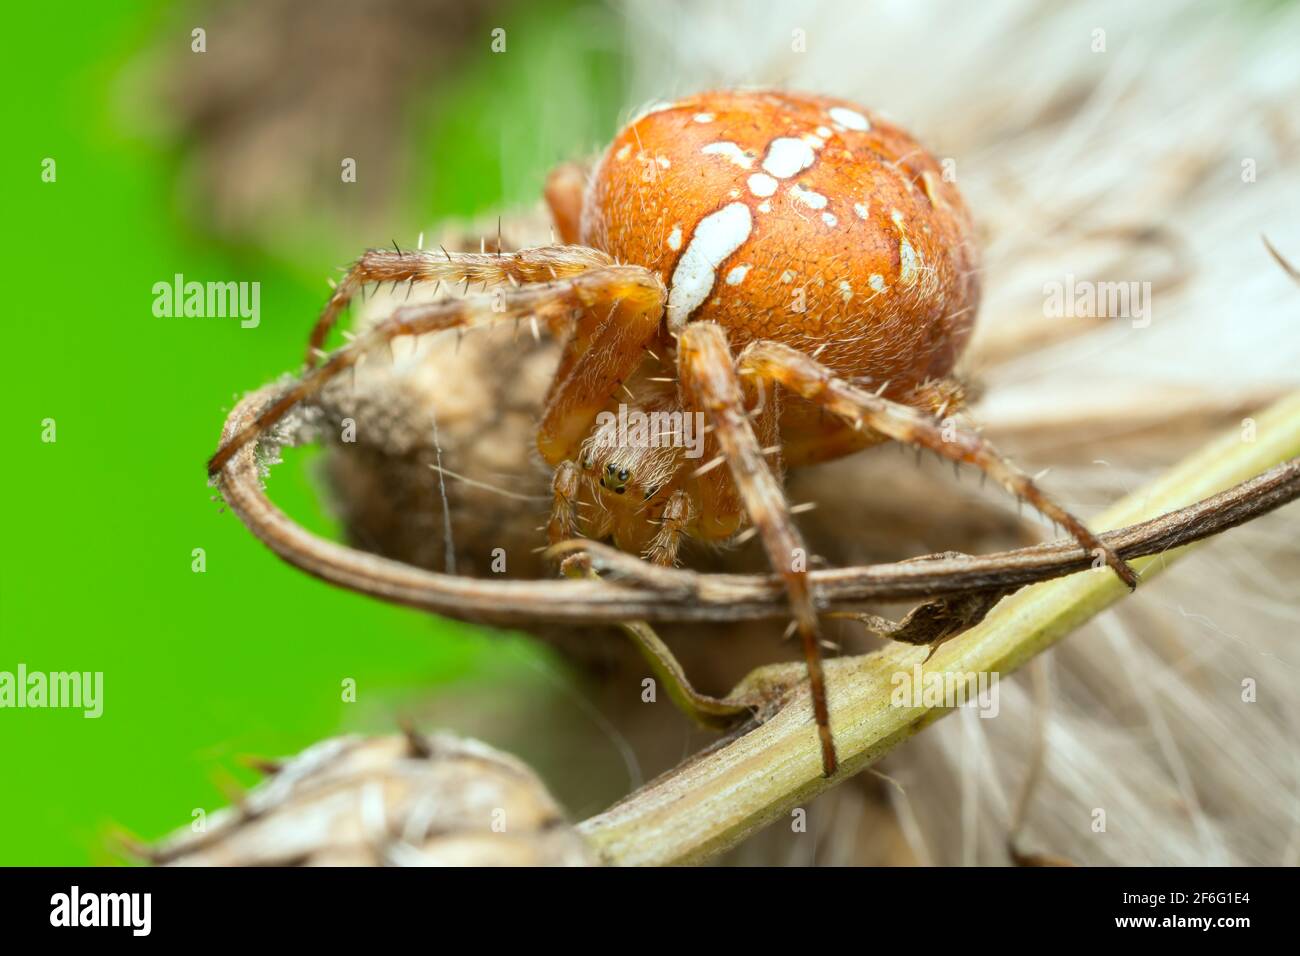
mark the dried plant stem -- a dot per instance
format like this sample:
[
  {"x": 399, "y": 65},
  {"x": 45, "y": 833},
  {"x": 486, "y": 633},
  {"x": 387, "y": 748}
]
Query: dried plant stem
[
  {"x": 707, "y": 711},
  {"x": 718, "y": 798},
  {"x": 635, "y": 591}
]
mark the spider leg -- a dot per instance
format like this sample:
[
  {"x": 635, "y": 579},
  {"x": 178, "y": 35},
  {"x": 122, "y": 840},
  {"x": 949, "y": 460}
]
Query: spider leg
[
  {"x": 673, "y": 522},
  {"x": 542, "y": 264},
  {"x": 556, "y": 302},
  {"x": 710, "y": 379},
  {"x": 565, "y": 186},
  {"x": 807, "y": 377},
  {"x": 565, "y": 485},
  {"x": 607, "y": 344}
]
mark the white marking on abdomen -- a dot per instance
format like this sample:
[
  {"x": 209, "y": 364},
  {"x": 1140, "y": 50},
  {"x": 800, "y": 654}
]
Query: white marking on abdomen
[
  {"x": 812, "y": 200},
  {"x": 850, "y": 118},
  {"x": 907, "y": 262},
  {"x": 761, "y": 184},
  {"x": 732, "y": 152},
  {"x": 787, "y": 157},
  {"x": 716, "y": 236}
]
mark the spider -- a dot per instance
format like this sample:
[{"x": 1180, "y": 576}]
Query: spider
[{"x": 793, "y": 267}]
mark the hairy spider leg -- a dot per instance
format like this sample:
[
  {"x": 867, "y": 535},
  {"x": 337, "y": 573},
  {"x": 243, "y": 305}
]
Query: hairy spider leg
[
  {"x": 555, "y": 302},
  {"x": 606, "y": 343},
  {"x": 805, "y": 376},
  {"x": 565, "y": 187},
  {"x": 541, "y": 264},
  {"x": 711, "y": 381},
  {"x": 674, "y": 521}
]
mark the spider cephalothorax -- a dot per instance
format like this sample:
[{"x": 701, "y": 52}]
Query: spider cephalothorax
[{"x": 749, "y": 281}]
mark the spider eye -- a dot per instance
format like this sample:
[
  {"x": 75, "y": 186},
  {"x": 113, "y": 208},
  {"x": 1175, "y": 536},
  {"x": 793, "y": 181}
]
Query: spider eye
[{"x": 615, "y": 478}]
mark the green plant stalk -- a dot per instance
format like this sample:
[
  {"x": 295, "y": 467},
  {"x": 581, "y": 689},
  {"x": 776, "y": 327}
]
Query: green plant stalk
[{"x": 717, "y": 799}]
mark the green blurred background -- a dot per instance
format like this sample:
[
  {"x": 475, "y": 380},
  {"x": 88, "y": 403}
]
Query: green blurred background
[{"x": 246, "y": 658}]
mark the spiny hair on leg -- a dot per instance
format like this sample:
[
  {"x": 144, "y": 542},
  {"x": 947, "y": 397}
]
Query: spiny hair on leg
[
  {"x": 553, "y": 301},
  {"x": 377, "y": 266}
]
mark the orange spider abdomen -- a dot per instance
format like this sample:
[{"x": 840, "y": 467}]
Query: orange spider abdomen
[{"x": 797, "y": 218}]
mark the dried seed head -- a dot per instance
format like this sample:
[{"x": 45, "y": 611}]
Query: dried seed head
[{"x": 409, "y": 799}]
